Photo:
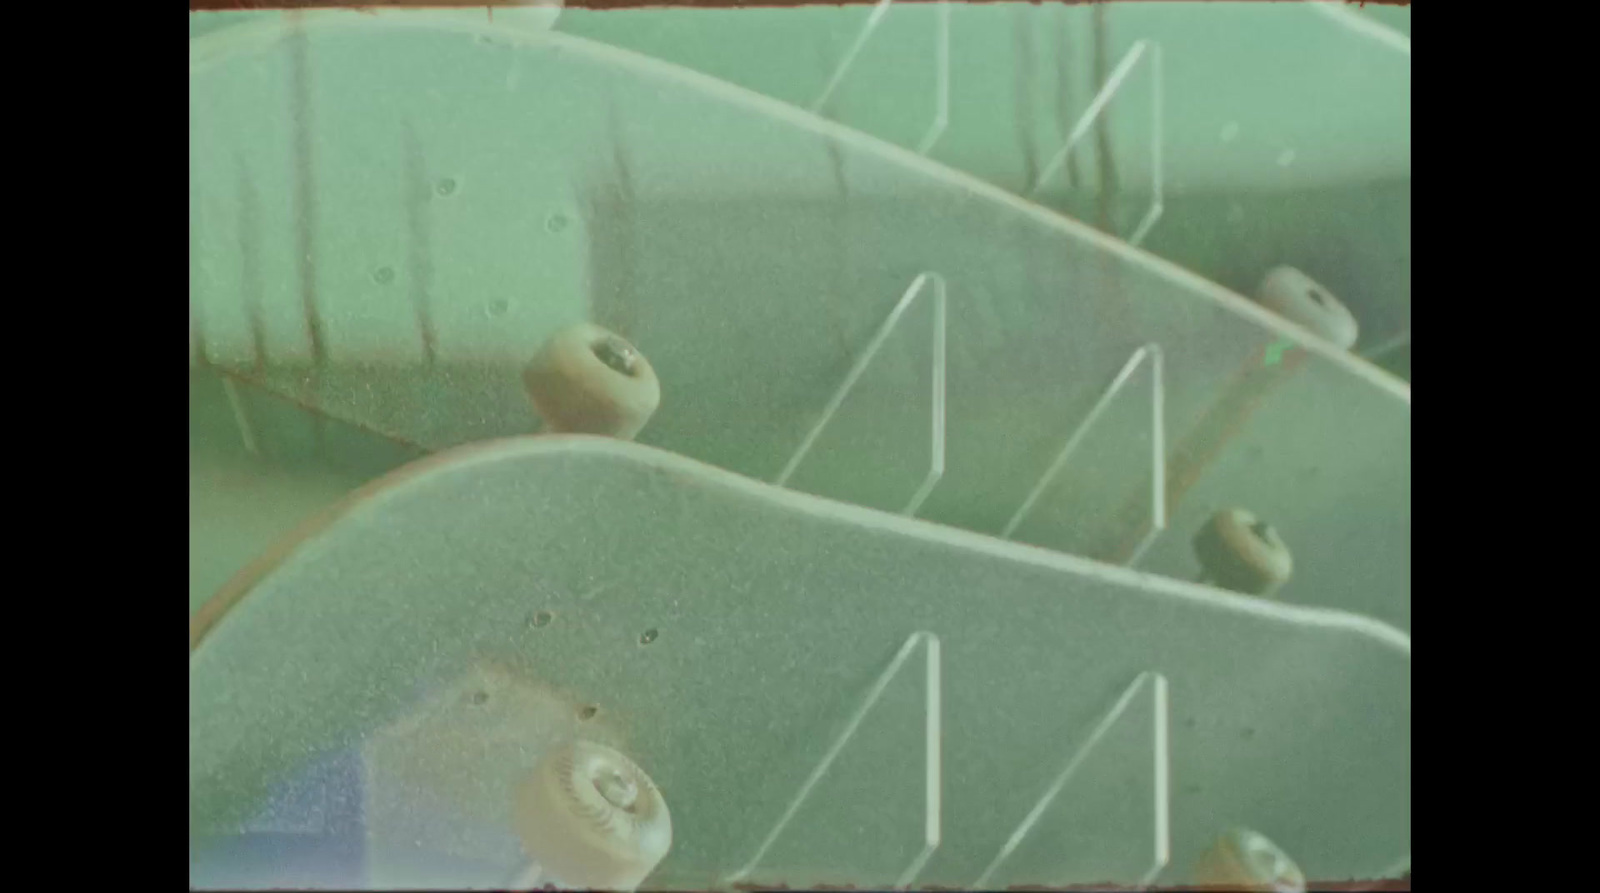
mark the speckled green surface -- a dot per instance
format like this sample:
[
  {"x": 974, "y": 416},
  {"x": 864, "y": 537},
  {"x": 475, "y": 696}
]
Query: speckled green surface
[
  {"x": 1286, "y": 137},
  {"x": 1248, "y": 87},
  {"x": 750, "y": 257},
  {"x": 244, "y": 495},
  {"x": 750, "y": 254},
  {"x": 774, "y": 613}
]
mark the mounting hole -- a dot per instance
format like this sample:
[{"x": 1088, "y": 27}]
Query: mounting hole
[
  {"x": 618, "y": 355},
  {"x": 446, "y": 187},
  {"x": 383, "y": 275},
  {"x": 1262, "y": 530},
  {"x": 587, "y": 712},
  {"x": 648, "y": 636},
  {"x": 541, "y": 619}
]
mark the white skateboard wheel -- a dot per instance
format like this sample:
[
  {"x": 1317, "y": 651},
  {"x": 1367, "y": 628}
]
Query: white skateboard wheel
[
  {"x": 587, "y": 380},
  {"x": 591, "y": 819},
  {"x": 1298, "y": 298},
  {"x": 1242, "y": 552},
  {"x": 1245, "y": 860}
]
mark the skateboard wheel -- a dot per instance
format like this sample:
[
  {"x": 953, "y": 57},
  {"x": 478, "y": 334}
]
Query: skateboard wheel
[
  {"x": 1245, "y": 860},
  {"x": 591, "y": 819},
  {"x": 1242, "y": 552},
  {"x": 587, "y": 380},
  {"x": 1298, "y": 298}
]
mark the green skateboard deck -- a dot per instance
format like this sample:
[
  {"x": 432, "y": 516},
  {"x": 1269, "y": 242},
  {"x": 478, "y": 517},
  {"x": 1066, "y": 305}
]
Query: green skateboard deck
[
  {"x": 389, "y": 214},
  {"x": 823, "y": 693}
]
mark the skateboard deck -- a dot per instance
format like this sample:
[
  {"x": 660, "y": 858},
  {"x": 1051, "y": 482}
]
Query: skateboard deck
[
  {"x": 823, "y": 693},
  {"x": 389, "y": 214}
]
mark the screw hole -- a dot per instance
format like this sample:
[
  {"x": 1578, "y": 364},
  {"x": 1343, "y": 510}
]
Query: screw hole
[
  {"x": 541, "y": 619},
  {"x": 446, "y": 187},
  {"x": 648, "y": 637},
  {"x": 1262, "y": 530},
  {"x": 618, "y": 790},
  {"x": 587, "y": 712},
  {"x": 617, "y": 355}
]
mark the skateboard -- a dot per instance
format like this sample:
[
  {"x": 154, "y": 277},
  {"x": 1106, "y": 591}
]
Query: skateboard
[
  {"x": 818, "y": 692},
  {"x": 391, "y": 244}
]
